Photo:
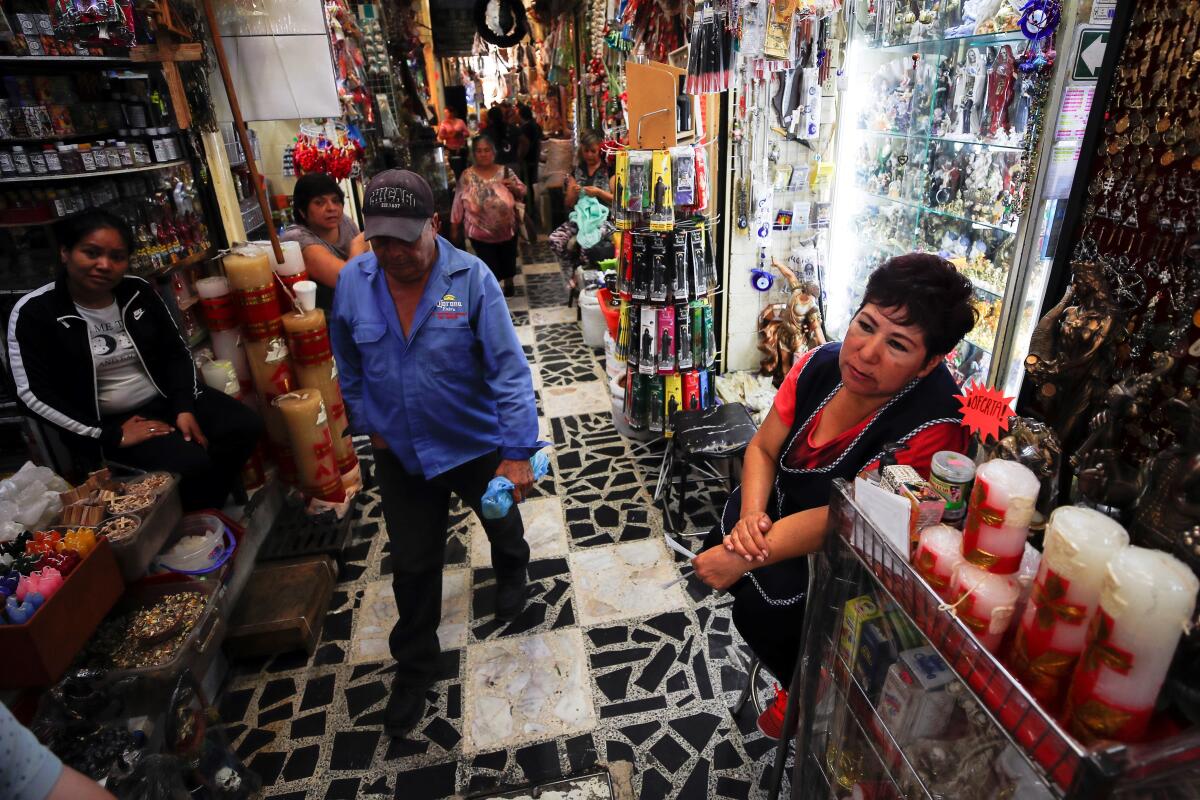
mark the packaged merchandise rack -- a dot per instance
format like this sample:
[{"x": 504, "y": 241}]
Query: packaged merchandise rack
[{"x": 857, "y": 557}]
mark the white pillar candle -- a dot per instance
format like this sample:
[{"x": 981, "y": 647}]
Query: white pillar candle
[
  {"x": 985, "y": 602},
  {"x": 998, "y": 516},
  {"x": 1080, "y": 542},
  {"x": 939, "y": 552},
  {"x": 1147, "y": 600},
  {"x": 221, "y": 376},
  {"x": 227, "y": 347},
  {"x": 209, "y": 288},
  {"x": 290, "y": 271}
]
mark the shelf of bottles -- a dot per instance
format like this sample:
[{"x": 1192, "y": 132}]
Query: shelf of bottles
[
  {"x": 666, "y": 282},
  {"x": 938, "y": 119}
]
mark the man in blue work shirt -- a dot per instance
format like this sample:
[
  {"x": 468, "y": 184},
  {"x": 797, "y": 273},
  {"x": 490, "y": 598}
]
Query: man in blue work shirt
[{"x": 431, "y": 368}]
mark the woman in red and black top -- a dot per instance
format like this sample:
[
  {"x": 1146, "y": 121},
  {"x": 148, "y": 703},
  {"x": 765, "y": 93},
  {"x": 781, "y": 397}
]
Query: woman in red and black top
[{"x": 840, "y": 405}]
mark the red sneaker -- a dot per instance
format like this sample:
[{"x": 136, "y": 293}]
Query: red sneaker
[{"x": 770, "y": 722}]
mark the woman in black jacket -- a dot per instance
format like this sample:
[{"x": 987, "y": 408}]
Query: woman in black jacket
[{"x": 98, "y": 355}]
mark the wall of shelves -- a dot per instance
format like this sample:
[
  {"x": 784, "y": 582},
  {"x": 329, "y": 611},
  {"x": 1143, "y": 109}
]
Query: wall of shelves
[{"x": 936, "y": 154}]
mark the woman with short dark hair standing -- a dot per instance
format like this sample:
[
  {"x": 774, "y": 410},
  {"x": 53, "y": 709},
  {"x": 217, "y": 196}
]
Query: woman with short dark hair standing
[
  {"x": 837, "y": 409},
  {"x": 327, "y": 237},
  {"x": 486, "y": 204},
  {"x": 98, "y": 355}
]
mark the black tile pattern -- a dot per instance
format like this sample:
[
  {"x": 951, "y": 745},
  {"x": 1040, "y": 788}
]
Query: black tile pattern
[
  {"x": 545, "y": 290},
  {"x": 550, "y": 603},
  {"x": 562, "y": 341},
  {"x": 661, "y": 684}
]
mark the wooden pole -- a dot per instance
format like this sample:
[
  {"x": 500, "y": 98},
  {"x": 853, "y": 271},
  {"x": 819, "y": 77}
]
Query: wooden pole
[{"x": 239, "y": 125}]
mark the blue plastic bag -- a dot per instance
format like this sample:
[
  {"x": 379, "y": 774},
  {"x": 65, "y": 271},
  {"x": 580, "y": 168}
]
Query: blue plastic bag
[{"x": 498, "y": 499}]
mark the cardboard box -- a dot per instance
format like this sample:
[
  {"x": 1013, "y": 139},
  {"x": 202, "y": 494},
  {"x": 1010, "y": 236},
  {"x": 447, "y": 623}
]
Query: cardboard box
[
  {"x": 914, "y": 703},
  {"x": 876, "y": 653},
  {"x": 858, "y": 612}
]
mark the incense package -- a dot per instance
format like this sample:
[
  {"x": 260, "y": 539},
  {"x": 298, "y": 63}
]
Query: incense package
[{"x": 662, "y": 214}]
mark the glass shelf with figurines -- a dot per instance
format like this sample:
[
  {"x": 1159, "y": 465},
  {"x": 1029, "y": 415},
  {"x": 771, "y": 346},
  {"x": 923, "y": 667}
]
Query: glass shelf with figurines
[
  {"x": 952, "y": 139},
  {"x": 908, "y": 23}
]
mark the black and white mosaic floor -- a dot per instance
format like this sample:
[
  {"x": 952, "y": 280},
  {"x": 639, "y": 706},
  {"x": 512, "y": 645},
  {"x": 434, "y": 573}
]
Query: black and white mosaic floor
[{"x": 613, "y": 660}]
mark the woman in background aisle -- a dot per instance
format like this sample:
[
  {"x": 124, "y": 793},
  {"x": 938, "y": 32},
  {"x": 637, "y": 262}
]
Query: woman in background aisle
[
  {"x": 591, "y": 179},
  {"x": 486, "y": 202},
  {"x": 327, "y": 237},
  {"x": 453, "y": 134}
]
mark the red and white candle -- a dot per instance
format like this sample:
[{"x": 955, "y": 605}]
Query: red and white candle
[
  {"x": 998, "y": 516},
  {"x": 1146, "y": 603},
  {"x": 1080, "y": 542},
  {"x": 939, "y": 552},
  {"x": 985, "y": 602}
]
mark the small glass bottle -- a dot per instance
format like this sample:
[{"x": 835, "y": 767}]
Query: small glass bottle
[{"x": 125, "y": 153}]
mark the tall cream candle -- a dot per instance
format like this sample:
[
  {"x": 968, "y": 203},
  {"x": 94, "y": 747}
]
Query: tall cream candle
[
  {"x": 272, "y": 372},
  {"x": 1080, "y": 542},
  {"x": 312, "y": 355},
  {"x": 1146, "y": 602},
  {"x": 253, "y": 283},
  {"x": 998, "y": 516},
  {"x": 307, "y": 424}
]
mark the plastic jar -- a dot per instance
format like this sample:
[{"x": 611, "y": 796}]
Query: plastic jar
[
  {"x": 125, "y": 154},
  {"x": 53, "y": 162},
  {"x": 37, "y": 160},
  {"x": 159, "y": 144},
  {"x": 951, "y": 475},
  {"x": 141, "y": 153},
  {"x": 21, "y": 160},
  {"x": 100, "y": 155},
  {"x": 86, "y": 158},
  {"x": 114, "y": 154}
]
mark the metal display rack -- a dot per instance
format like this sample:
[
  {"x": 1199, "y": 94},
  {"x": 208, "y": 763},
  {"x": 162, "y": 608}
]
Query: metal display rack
[{"x": 837, "y": 710}]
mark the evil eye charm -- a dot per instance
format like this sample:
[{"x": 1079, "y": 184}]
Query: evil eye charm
[{"x": 761, "y": 280}]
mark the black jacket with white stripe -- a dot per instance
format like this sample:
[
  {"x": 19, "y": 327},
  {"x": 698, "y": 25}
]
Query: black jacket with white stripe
[{"x": 50, "y": 356}]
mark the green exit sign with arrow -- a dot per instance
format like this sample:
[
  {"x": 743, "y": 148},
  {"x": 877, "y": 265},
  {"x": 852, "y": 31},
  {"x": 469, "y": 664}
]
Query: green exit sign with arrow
[{"x": 1089, "y": 54}]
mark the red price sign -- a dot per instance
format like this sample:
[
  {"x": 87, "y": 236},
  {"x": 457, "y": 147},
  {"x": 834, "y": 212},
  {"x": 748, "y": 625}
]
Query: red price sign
[{"x": 985, "y": 410}]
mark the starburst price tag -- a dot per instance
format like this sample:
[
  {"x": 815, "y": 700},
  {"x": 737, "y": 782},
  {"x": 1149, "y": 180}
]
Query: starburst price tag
[{"x": 985, "y": 411}]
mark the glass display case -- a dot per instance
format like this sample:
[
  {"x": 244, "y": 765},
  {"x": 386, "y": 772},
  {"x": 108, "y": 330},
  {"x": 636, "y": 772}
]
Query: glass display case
[
  {"x": 937, "y": 151},
  {"x": 896, "y": 697}
]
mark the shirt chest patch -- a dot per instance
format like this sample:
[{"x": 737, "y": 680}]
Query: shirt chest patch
[{"x": 450, "y": 307}]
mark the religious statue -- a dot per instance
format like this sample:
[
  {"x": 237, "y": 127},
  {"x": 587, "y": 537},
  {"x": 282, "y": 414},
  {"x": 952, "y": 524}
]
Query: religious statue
[
  {"x": 1068, "y": 361},
  {"x": 789, "y": 329},
  {"x": 1106, "y": 477},
  {"x": 1033, "y": 444},
  {"x": 1168, "y": 510}
]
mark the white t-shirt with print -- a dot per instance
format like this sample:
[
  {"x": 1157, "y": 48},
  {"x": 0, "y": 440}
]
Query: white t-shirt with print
[{"x": 121, "y": 381}]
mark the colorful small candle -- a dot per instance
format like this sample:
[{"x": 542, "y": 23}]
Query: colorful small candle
[
  {"x": 985, "y": 602},
  {"x": 1080, "y": 542},
  {"x": 998, "y": 516},
  {"x": 1146, "y": 601},
  {"x": 939, "y": 552}
]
